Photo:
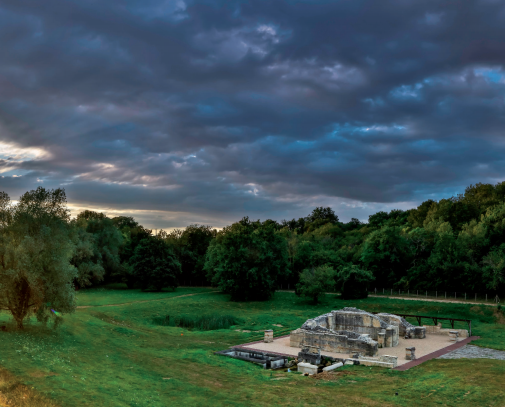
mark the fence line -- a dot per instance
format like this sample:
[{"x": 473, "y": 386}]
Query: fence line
[{"x": 420, "y": 294}]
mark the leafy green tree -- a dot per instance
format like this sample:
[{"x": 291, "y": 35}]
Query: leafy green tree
[
  {"x": 190, "y": 246},
  {"x": 320, "y": 216},
  {"x": 316, "y": 281},
  {"x": 86, "y": 259},
  {"x": 97, "y": 253},
  {"x": 417, "y": 216},
  {"x": 494, "y": 269},
  {"x": 353, "y": 224},
  {"x": 246, "y": 261},
  {"x": 378, "y": 219},
  {"x": 354, "y": 282},
  {"x": 35, "y": 252},
  {"x": 123, "y": 223},
  {"x": 132, "y": 238},
  {"x": 448, "y": 267},
  {"x": 154, "y": 265},
  {"x": 480, "y": 196},
  {"x": 323, "y": 214},
  {"x": 386, "y": 255},
  {"x": 450, "y": 210}
]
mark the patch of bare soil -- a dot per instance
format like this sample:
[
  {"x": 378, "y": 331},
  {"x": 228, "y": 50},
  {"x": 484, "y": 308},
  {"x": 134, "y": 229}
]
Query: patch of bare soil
[
  {"x": 13, "y": 393},
  {"x": 331, "y": 375},
  {"x": 500, "y": 316},
  {"x": 477, "y": 310},
  {"x": 41, "y": 374}
]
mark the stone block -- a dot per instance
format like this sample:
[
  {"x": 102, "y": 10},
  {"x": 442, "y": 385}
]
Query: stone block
[
  {"x": 453, "y": 335},
  {"x": 332, "y": 367},
  {"x": 307, "y": 368},
  {"x": 389, "y": 359},
  {"x": 410, "y": 353},
  {"x": 381, "y": 339},
  {"x": 310, "y": 354},
  {"x": 269, "y": 336}
]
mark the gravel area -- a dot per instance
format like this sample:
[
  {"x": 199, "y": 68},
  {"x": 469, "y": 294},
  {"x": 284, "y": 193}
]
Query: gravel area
[
  {"x": 469, "y": 351},
  {"x": 431, "y": 343}
]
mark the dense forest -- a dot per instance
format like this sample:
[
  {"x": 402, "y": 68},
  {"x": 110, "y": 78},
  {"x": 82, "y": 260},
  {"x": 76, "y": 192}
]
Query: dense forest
[{"x": 455, "y": 244}]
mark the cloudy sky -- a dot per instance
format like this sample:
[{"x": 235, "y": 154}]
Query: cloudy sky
[{"x": 200, "y": 111}]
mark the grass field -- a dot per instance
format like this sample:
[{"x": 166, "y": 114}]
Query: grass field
[{"x": 122, "y": 356}]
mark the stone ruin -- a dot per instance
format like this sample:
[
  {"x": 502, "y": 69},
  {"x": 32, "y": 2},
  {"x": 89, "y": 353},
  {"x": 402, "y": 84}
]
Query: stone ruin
[{"x": 351, "y": 330}]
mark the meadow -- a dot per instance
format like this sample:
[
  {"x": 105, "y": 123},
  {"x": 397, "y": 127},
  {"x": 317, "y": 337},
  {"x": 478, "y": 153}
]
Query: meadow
[{"x": 132, "y": 355}]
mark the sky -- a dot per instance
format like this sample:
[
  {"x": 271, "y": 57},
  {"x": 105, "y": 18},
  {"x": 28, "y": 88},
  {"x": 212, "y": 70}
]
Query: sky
[{"x": 186, "y": 111}]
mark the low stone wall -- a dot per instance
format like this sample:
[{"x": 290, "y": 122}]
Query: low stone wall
[
  {"x": 381, "y": 361},
  {"x": 334, "y": 341},
  {"x": 405, "y": 328},
  {"x": 359, "y": 321},
  {"x": 438, "y": 330}
]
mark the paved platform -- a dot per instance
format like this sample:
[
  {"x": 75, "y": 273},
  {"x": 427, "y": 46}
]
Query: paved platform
[
  {"x": 469, "y": 351},
  {"x": 432, "y": 346},
  {"x": 436, "y": 353}
]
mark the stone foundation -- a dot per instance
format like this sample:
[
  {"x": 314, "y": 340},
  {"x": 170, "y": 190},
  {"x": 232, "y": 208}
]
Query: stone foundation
[
  {"x": 462, "y": 333},
  {"x": 405, "y": 328},
  {"x": 338, "y": 342}
]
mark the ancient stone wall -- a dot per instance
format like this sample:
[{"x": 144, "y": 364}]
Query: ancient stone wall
[
  {"x": 340, "y": 341},
  {"x": 405, "y": 328},
  {"x": 360, "y": 321}
]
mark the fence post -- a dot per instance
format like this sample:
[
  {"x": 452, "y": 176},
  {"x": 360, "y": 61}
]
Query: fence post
[
  {"x": 454, "y": 295},
  {"x": 391, "y": 292},
  {"x": 476, "y": 297},
  {"x": 426, "y": 294},
  {"x": 436, "y": 294},
  {"x": 486, "y": 297},
  {"x": 465, "y": 295}
]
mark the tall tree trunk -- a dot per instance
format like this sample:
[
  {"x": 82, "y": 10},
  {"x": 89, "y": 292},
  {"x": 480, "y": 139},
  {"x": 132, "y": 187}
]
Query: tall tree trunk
[{"x": 19, "y": 304}]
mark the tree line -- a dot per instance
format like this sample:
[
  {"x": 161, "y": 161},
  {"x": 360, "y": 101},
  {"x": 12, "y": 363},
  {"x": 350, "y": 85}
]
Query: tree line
[{"x": 453, "y": 244}]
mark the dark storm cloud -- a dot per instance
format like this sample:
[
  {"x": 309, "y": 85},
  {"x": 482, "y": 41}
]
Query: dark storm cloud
[{"x": 220, "y": 109}]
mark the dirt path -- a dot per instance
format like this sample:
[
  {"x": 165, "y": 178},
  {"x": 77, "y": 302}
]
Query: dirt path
[
  {"x": 144, "y": 301},
  {"x": 467, "y": 302},
  {"x": 435, "y": 300}
]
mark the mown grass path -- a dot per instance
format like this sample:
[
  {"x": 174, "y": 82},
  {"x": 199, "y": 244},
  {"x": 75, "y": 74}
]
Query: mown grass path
[
  {"x": 115, "y": 355},
  {"x": 138, "y": 301}
]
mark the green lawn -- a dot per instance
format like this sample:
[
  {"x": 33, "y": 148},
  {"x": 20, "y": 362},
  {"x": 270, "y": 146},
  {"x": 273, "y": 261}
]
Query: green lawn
[{"x": 118, "y": 356}]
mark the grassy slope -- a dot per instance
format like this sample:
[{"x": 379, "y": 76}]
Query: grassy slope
[{"x": 116, "y": 356}]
